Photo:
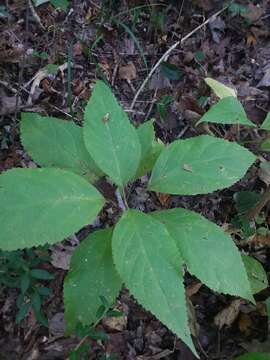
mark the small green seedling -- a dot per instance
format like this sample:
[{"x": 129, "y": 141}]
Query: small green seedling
[
  {"x": 20, "y": 270},
  {"x": 146, "y": 252},
  {"x": 162, "y": 106},
  {"x": 84, "y": 332}
]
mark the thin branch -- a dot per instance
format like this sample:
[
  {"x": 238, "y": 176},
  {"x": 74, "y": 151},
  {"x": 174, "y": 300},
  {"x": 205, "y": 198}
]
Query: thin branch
[{"x": 168, "y": 52}]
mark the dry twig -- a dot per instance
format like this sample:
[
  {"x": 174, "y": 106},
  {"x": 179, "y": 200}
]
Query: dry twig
[{"x": 165, "y": 56}]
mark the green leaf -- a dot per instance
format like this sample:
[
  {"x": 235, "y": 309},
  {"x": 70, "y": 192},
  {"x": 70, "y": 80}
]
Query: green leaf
[
  {"x": 62, "y": 4},
  {"x": 265, "y": 145},
  {"x": 199, "y": 165},
  {"x": 254, "y": 356},
  {"x": 51, "y": 69},
  {"x": 267, "y": 303},
  {"x": 227, "y": 111},
  {"x": 150, "y": 266},
  {"x": 150, "y": 148},
  {"x": 25, "y": 282},
  {"x": 41, "y": 274},
  {"x": 266, "y": 124},
  {"x": 40, "y": 206},
  {"x": 23, "y": 311},
  {"x": 110, "y": 137},
  {"x": 256, "y": 274},
  {"x": 57, "y": 143},
  {"x": 91, "y": 275},
  {"x": 40, "y": 2},
  {"x": 170, "y": 71},
  {"x": 220, "y": 89},
  {"x": 237, "y": 9},
  {"x": 208, "y": 252},
  {"x": 245, "y": 200},
  {"x": 199, "y": 56},
  {"x": 43, "y": 290},
  {"x": 162, "y": 106}
]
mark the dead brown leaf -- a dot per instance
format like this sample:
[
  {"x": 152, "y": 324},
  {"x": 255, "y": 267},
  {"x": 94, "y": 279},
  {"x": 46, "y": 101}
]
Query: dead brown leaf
[
  {"x": 127, "y": 72},
  {"x": 193, "y": 289},
  {"x": 259, "y": 240},
  {"x": 244, "y": 323},
  {"x": 192, "y": 319},
  {"x": 228, "y": 315},
  {"x": 77, "y": 49},
  {"x": 251, "y": 40},
  {"x": 164, "y": 199},
  {"x": 115, "y": 323},
  {"x": 254, "y": 12},
  {"x": 9, "y": 104}
]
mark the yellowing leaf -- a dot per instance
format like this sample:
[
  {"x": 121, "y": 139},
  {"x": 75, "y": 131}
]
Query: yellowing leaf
[{"x": 220, "y": 89}]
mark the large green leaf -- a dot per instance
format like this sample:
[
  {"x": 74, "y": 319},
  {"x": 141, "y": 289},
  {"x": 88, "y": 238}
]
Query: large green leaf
[
  {"x": 58, "y": 143},
  {"x": 208, "y": 252},
  {"x": 199, "y": 165},
  {"x": 266, "y": 124},
  {"x": 220, "y": 89},
  {"x": 150, "y": 148},
  {"x": 110, "y": 137},
  {"x": 150, "y": 266},
  {"x": 228, "y": 110},
  {"x": 256, "y": 274},
  {"x": 92, "y": 276},
  {"x": 40, "y": 206}
]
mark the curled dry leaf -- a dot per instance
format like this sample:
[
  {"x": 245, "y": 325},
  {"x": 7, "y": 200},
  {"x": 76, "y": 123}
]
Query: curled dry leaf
[
  {"x": 244, "y": 323},
  {"x": 9, "y": 104},
  {"x": 193, "y": 289},
  {"x": 259, "y": 240},
  {"x": 164, "y": 199},
  {"x": 127, "y": 72},
  {"x": 61, "y": 255},
  {"x": 228, "y": 315},
  {"x": 115, "y": 323}
]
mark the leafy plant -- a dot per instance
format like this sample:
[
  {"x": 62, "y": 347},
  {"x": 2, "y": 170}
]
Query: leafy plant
[
  {"x": 146, "y": 252},
  {"x": 85, "y": 332},
  {"x": 20, "y": 270},
  {"x": 162, "y": 106}
]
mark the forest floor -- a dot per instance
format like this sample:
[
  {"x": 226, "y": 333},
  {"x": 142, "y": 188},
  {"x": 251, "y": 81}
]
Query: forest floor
[{"x": 49, "y": 61}]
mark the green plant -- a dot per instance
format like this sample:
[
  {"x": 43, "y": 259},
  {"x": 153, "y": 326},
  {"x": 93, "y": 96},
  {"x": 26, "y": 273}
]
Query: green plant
[
  {"x": 85, "y": 332},
  {"x": 162, "y": 106},
  {"x": 20, "y": 270},
  {"x": 146, "y": 252}
]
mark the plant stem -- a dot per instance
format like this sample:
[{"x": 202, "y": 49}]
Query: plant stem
[
  {"x": 86, "y": 336},
  {"x": 125, "y": 198}
]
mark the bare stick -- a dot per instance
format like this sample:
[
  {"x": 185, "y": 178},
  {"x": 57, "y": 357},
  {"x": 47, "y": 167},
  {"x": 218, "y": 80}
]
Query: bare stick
[
  {"x": 168, "y": 52},
  {"x": 35, "y": 15}
]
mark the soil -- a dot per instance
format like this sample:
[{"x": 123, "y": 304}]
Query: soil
[{"x": 120, "y": 42}]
